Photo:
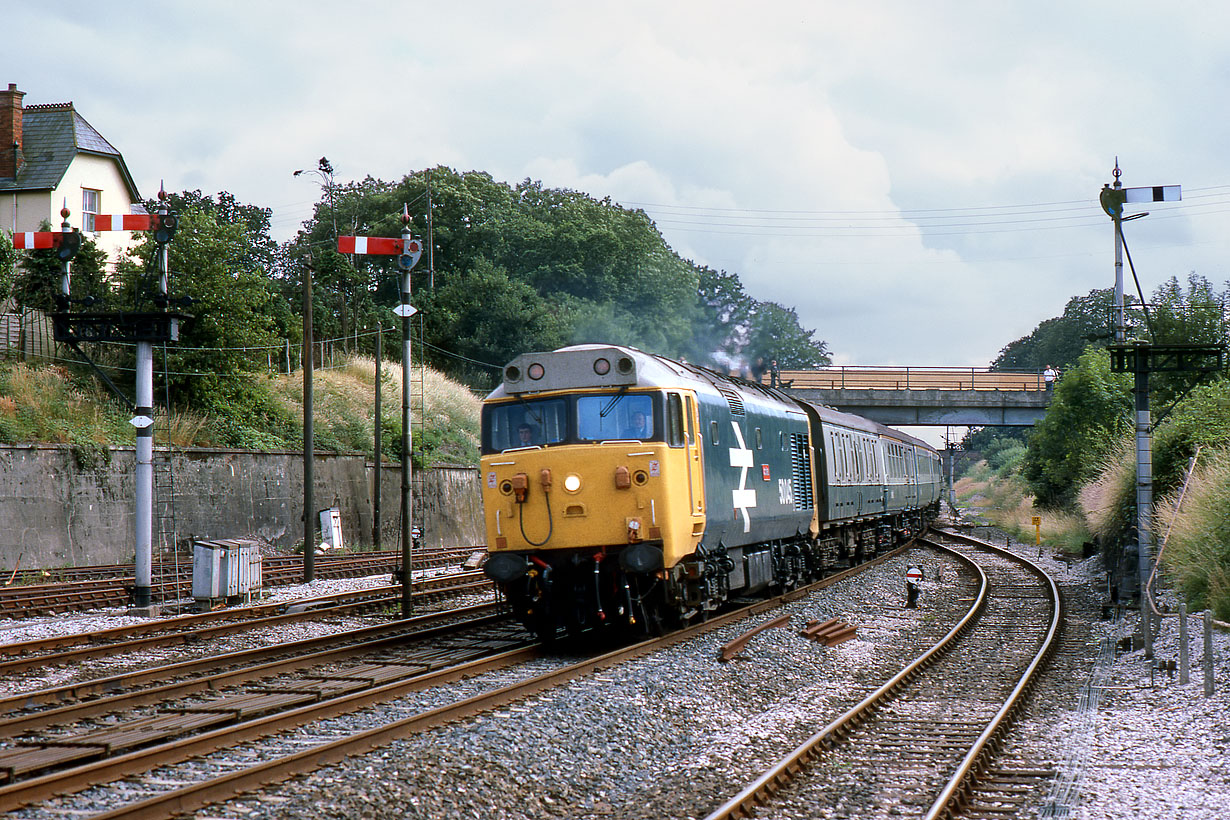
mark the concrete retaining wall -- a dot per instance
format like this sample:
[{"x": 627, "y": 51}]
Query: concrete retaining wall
[{"x": 61, "y": 506}]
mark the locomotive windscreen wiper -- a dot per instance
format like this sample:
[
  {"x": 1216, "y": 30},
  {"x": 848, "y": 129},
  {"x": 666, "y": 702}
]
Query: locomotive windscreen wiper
[{"x": 606, "y": 411}]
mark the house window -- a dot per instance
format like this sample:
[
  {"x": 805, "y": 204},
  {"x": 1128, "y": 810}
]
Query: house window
[{"x": 89, "y": 208}]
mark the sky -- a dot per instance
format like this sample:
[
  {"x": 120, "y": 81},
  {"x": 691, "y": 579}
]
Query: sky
[{"x": 919, "y": 181}]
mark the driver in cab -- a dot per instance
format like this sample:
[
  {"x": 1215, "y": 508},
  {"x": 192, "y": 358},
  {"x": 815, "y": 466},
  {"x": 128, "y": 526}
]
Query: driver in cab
[{"x": 640, "y": 428}]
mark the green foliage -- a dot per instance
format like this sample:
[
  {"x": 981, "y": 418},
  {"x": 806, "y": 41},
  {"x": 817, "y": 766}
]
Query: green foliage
[
  {"x": 236, "y": 316},
  {"x": 774, "y": 332},
  {"x": 244, "y": 413},
  {"x": 1194, "y": 316},
  {"x": 991, "y": 439},
  {"x": 1197, "y": 553},
  {"x": 1202, "y": 419},
  {"x": 562, "y": 267},
  {"x": 1061, "y": 341},
  {"x": 1090, "y": 408},
  {"x": 35, "y": 282},
  {"x": 1007, "y": 460},
  {"x": 49, "y": 404},
  {"x": 489, "y": 316},
  {"x": 8, "y": 261}
]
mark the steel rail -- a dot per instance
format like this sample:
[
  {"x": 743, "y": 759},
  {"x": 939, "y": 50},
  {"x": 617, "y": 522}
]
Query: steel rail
[
  {"x": 33, "y": 599},
  {"x": 192, "y": 797},
  {"x": 217, "y": 630},
  {"x": 251, "y": 612},
  {"x": 102, "y": 686},
  {"x": 742, "y": 804},
  {"x": 423, "y": 627},
  {"x": 103, "y": 771},
  {"x": 954, "y": 795}
]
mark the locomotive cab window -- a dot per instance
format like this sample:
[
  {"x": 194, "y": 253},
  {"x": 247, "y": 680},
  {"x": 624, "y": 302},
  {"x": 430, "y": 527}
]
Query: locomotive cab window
[
  {"x": 674, "y": 420},
  {"x": 524, "y": 424},
  {"x": 609, "y": 417}
]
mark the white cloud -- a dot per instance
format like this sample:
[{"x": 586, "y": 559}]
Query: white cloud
[{"x": 843, "y": 159}]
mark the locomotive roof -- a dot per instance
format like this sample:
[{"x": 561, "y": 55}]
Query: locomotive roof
[{"x": 641, "y": 369}]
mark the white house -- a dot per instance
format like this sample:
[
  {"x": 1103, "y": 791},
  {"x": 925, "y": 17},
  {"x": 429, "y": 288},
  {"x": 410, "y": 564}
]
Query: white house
[{"x": 51, "y": 157}]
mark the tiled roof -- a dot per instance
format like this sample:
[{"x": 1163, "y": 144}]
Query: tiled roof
[{"x": 52, "y": 135}]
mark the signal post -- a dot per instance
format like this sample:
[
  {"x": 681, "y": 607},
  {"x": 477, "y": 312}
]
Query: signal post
[
  {"x": 407, "y": 250},
  {"x": 142, "y": 328}
]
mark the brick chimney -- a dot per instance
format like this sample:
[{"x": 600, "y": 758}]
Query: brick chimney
[{"x": 10, "y": 131}]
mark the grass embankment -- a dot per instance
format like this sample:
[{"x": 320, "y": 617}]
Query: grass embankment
[
  {"x": 52, "y": 404},
  {"x": 1000, "y": 498},
  {"x": 1191, "y": 524}
]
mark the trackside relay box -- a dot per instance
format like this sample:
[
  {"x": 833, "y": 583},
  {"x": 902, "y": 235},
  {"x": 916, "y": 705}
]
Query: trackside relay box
[{"x": 227, "y": 570}]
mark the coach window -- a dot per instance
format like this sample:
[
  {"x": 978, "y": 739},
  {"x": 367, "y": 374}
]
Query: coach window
[{"x": 674, "y": 420}]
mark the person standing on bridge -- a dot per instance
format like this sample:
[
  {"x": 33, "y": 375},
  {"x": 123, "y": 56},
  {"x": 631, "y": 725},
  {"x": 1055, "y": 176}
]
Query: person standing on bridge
[{"x": 1049, "y": 375}]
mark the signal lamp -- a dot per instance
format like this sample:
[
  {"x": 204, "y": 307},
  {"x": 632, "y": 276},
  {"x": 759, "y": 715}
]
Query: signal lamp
[
  {"x": 165, "y": 232},
  {"x": 536, "y": 371},
  {"x": 68, "y": 246},
  {"x": 602, "y": 367},
  {"x": 572, "y": 482}
]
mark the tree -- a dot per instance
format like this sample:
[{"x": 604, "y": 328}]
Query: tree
[
  {"x": 603, "y": 271},
  {"x": 725, "y": 313},
  {"x": 1091, "y": 410},
  {"x": 1061, "y": 341},
  {"x": 36, "y": 280},
  {"x": 8, "y": 262},
  {"x": 236, "y": 317},
  {"x": 1195, "y": 316},
  {"x": 488, "y": 316},
  {"x": 774, "y": 332}
]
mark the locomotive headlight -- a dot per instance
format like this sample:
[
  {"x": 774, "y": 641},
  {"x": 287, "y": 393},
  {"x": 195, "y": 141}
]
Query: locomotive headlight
[{"x": 572, "y": 483}]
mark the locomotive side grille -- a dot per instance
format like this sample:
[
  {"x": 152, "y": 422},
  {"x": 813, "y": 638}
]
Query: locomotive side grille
[
  {"x": 800, "y": 459},
  {"x": 734, "y": 400}
]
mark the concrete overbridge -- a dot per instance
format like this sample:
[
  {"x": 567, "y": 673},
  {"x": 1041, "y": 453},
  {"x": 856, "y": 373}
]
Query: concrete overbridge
[{"x": 924, "y": 396}]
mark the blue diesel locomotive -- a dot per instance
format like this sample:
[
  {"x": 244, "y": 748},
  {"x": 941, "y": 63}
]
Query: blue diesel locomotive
[{"x": 623, "y": 488}]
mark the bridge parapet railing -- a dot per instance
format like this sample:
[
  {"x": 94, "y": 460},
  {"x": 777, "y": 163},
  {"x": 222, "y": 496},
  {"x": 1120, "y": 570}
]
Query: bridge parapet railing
[{"x": 863, "y": 377}]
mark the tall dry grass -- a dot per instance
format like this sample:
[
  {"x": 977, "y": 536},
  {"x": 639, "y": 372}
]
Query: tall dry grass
[
  {"x": 343, "y": 401},
  {"x": 1108, "y": 498},
  {"x": 1196, "y": 535},
  {"x": 1006, "y": 503}
]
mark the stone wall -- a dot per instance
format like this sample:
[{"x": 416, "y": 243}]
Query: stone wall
[{"x": 63, "y": 506}]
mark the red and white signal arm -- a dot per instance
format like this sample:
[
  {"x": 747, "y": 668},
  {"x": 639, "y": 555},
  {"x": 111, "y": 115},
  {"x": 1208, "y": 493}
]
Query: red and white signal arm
[
  {"x": 914, "y": 574},
  {"x": 379, "y": 246}
]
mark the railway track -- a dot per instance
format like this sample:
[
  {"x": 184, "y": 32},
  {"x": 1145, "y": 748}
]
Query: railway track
[
  {"x": 85, "y": 588},
  {"x": 919, "y": 743},
  {"x": 224, "y": 761},
  {"x": 203, "y": 627}
]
